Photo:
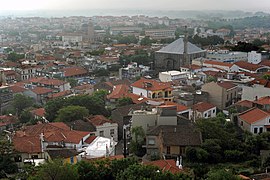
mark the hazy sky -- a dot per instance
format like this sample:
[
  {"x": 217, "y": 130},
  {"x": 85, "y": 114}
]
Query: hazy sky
[{"x": 250, "y": 5}]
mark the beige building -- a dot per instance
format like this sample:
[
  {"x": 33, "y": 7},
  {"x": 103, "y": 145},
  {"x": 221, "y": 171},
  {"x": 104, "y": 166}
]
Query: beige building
[
  {"x": 170, "y": 140},
  {"x": 163, "y": 115},
  {"x": 221, "y": 94}
]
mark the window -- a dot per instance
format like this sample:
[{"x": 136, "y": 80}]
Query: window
[
  {"x": 261, "y": 130},
  {"x": 111, "y": 132},
  {"x": 205, "y": 114},
  {"x": 242, "y": 123},
  {"x": 255, "y": 130},
  {"x": 168, "y": 150},
  {"x": 214, "y": 110},
  {"x": 101, "y": 133},
  {"x": 34, "y": 157},
  {"x": 151, "y": 141}
]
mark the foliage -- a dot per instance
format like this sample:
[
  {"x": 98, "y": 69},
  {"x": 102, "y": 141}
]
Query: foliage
[
  {"x": 101, "y": 72},
  {"x": 14, "y": 56},
  {"x": 94, "y": 103},
  {"x": 7, "y": 165},
  {"x": 26, "y": 116},
  {"x": 97, "y": 52},
  {"x": 57, "y": 170},
  {"x": 137, "y": 141},
  {"x": 126, "y": 39},
  {"x": 140, "y": 57},
  {"x": 146, "y": 41},
  {"x": 73, "y": 82},
  {"x": 245, "y": 47},
  {"x": 211, "y": 79},
  {"x": 211, "y": 40},
  {"x": 222, "y": 175},
  {"x": 72, "y": 113},
  {"x": 124, "y": 101},
  {"x": 21, "y": 102}
]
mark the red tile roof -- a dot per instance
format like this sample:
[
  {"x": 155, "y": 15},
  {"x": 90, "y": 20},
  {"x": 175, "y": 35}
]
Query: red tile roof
[
  {"x": 248, "y": 66},
  {"x": 53, "y": 132},
  {"x": 99, "y": 120},
  {"x": 41, "y": 90},
  {"x": 136, "y": 99},
  {"x": 119, "y": 91},
  {"x": 90, "y": 139},
  {"x": 27, "y": 144},
  {"x": 39, "y": 112},
  {"x": 74, "y": 71},
  {"x": 17, "y": 89},
  {"x": 245, "y": 103},
  {"x": 263, "y": 100},
  {"x": 226, "y": 85},
  {"x": 218, "y": 63},
  {"x": 253, "y": 115},
  {"x": 180, "y": 107},
  {"x": 6, "y": 120},
  {"x": 151, "y": 84},
  {"x": 203, "y": 106},
  {"x": 60, "y": 94},
  {"x": 166, "y": 165}
]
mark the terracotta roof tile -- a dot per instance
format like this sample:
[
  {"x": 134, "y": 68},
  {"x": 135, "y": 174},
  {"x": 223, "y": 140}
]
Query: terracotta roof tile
[
  {"x": 151, "y": 84},
  {"x": 17, "y": 89},
  {"x": 74, "y": 71},
  {"x": 218, "y": 63},
  {"x": 39, "y": 112},
  {"x": 203, "y": 106},
  {"x": 99, "y": 120},
  {"x": 248, "y": 66},
  {"x": 166, "y": 165},
  {"x": 41, "y": 90},
  {"x": 226, "y": 85},
  {"x": 27, "y": 144},
  {"x": 60, "y": 94},
  {"x": 90, "y": 139},
  {"x": 253, "y": 115}
]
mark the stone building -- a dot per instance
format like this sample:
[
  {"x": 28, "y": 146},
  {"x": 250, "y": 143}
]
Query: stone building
[{"x": 178, "y": 53}]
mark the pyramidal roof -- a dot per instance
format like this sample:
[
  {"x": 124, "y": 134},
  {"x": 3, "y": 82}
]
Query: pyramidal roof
[{"x": 177, "y": 47}]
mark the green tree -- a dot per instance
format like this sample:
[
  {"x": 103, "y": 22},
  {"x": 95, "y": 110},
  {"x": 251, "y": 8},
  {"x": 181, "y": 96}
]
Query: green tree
[
  {"x": 15, "y": 57},
  {"x": 72, "y": 113},
  {"x": 137, "y": 141},
  {"x": 26, "y": 116},
  {"x": 21, "y": 102},
  {"x": 7, "y": 165},
  {"x": 73, "y": 82},
  {"x": 101, "y": 72},
  {"x": 222, "y": 175},
  {"x": 57, "y": 170},
  {"x": 124, "y": 101}
]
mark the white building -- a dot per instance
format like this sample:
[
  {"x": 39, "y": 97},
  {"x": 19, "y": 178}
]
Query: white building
[
  {"x": 227, "y": 56},
  {"x": 72, "y": 38},
  {"x": 169, "y": 76},
  {"x": 100, "y": 147},
  {"x": 254, "y": 57}
]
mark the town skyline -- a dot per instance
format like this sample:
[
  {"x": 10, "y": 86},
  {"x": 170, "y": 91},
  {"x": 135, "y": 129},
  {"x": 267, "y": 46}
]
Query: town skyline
[{"x": 28, "y": 5}]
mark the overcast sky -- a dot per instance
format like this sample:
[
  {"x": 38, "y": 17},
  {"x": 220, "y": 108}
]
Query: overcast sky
[{"x": 246, "y": 5}]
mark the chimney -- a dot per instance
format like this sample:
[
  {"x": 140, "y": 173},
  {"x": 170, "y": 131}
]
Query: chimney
[{"x": 177, "y": 162}]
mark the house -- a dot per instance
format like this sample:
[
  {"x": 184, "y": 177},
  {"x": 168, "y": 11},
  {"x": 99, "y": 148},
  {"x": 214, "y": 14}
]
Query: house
[
  {"x": 254, "y": 120},
  {"x": 68, "y": 155},
  {"x": 83, "y": 89},
  {"x": 6, "y": 97},
  {"x": 38, "y": 113},
  {"x": 27, "y": 71},
  {"x": 252, "y": 68},
  {"x": 62, "y": 94},
  {"x": 171, "y": 140},
  {"x": 162, "y": 115},
  {"x": 164, "y": 165},
  {"x": 221, "y": 94},
  {"x": 221, "y": 65},
  {"x": 15, "y": 89},
  {"x": 104, "y": 127},
  {"x": 203, "y": 110},
  {"x": 7, "y": 122},
  {"x": 169, "y": 76},
  {"x": 152, "y": 89},
  {"x": 99, "y": 147},
  {"x": 32, "y": 142},
  {"x": 39, "y": 94},
  {"x": 74, "y": 72},
  {"x": 258, "y": 88}
]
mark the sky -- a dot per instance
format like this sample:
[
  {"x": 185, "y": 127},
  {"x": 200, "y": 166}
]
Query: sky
[{"x": 245, "y": 5}]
